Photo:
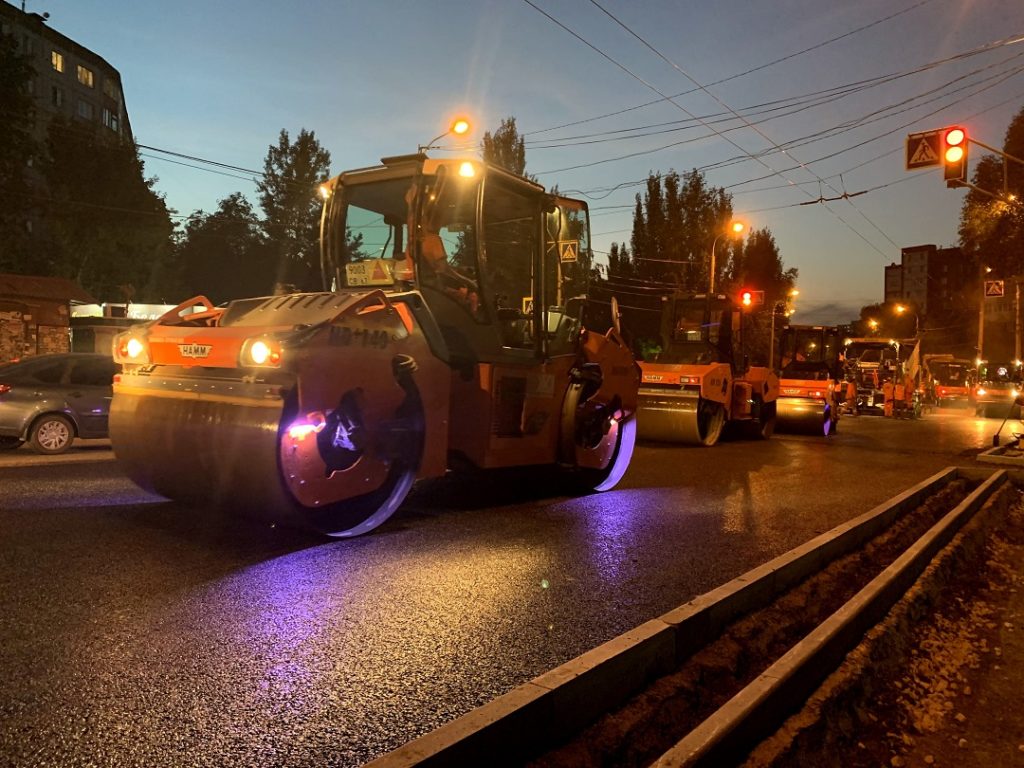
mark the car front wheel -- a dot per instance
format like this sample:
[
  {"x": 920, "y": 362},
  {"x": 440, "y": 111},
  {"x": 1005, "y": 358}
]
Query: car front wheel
[{"x": 51, "y": 434}]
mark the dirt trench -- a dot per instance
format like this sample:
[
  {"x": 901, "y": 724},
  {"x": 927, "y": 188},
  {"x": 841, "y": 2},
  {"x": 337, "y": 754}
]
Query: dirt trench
[{"x": 654, "y": 720}]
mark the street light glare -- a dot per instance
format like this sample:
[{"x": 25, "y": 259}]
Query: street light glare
[
  {"x": 738, "y": 226},
  {"x": 460, "y": 126}
]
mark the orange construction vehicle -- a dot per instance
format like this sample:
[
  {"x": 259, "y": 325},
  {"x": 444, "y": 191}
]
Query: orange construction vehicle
[
  {"x": 700, "y": 382},
  {"x": 948, "y": 380},
  {"x": 996, "y": 389},
  {"x": 448, "y": 327},
  {"x": 810, "y": 392}
]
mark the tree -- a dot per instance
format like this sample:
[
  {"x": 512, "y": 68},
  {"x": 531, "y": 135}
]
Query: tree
[
  {"x": 758, "y": 265},
  {"x": 107, "y": 228},
  {"x": 992, "y": 228},
  {"x": 675, "y": 225},
  {"x": 506, "y": 148},
  {"x": 292, "y": 173},
  {"x": 224, "y": 254},
  {"x": 18, "y": 150}
]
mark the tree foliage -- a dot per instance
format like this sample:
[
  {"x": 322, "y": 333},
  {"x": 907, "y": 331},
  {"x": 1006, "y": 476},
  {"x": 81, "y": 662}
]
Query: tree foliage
[
  {"x": 992, "y": 229},
  {"x": 292, "y": 172},
  {"x": 108, "y": 229},
  {"x": 506, "y": 148},
  {"x": 224, "y": 254},
  {"x": 758, "y": 265},
  {"x": 18, "y": 149},
  {"x": 675, "y": 225}
]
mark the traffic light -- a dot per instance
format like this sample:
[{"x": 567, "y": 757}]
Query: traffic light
[
  {"x": 749, "y": 298},
  {"x": 954, "y": 155}
]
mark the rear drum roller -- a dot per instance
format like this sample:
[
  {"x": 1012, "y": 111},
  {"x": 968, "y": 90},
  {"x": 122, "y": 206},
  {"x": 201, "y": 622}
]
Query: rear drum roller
[
  {"x": 710, "y": 421},
  {"x": 831, "y": 423},
  {"x": 589, "y": 435},
  {"x": 400, "y": 441}
]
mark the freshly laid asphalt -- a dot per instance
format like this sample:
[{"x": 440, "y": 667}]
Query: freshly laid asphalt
[{"x": 135, "y": 631}]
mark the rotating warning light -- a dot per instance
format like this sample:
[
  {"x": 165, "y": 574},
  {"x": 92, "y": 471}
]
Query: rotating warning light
[{"x": 954, "y": 154}]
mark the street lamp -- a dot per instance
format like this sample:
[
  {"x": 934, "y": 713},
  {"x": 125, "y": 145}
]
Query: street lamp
[
  {"x": 459, "y": 127},
  {"x": 873, "y": 325},
  {"x": 901, "y": 308},
  {"x": 734, "y": 229}
]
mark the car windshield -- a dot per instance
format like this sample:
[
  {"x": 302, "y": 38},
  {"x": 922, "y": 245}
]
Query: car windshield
[{"x": 950, "y": 374}]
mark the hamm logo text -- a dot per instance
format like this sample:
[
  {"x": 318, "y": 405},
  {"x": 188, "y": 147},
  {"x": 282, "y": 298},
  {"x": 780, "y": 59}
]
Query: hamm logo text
[{"x": 194, "y": 350}]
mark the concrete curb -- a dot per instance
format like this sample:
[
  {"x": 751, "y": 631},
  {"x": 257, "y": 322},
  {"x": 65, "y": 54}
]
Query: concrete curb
[
  {"x": 759, "y": 708},
  {"x": 997, "y": 456},
  {"x": 555, "y": 706}
]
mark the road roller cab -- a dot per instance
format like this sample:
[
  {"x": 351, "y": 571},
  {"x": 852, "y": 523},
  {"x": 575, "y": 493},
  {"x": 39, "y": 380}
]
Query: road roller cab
[
  {"x": 810, "y": 371},
  {"x": 448, "y": 324},
  {"x": 700, "y": 381}
]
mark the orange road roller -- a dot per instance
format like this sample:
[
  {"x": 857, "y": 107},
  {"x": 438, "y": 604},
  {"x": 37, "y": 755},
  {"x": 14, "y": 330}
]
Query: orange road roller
[{"x": 447, "y": 329}]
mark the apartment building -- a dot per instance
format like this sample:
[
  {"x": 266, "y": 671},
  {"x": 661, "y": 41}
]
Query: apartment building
[{"x": 70, "y": 80}]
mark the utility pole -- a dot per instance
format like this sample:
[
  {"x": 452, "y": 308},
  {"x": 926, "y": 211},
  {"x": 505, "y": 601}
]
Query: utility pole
[{"x": 1016, "y": 318}]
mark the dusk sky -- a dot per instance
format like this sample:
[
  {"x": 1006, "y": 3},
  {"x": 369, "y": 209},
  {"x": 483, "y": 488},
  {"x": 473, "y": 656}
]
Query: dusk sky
[{"x": 218, "y": 81}]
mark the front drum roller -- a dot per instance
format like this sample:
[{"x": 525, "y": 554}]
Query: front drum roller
[
  {"x": 226, "y": 451},
  {"x": 804, "y": 415},
  {"x": 679, "y": 417}
]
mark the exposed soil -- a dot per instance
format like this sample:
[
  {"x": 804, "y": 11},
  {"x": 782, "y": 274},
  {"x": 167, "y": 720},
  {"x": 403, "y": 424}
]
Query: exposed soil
[
  {"x": 654, "y": 720},
  {"x": 938, "y": 683}
]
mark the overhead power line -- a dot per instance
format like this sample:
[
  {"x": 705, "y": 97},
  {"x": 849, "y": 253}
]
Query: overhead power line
[{"x": 747, "y": 72}]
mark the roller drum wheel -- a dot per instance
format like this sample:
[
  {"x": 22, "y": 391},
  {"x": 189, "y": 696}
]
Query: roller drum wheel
[{"x": 228, "y": 455}]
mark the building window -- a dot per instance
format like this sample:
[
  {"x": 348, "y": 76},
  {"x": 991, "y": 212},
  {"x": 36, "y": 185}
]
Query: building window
[
  {"x": 57, "y": 60},
  {"x": 85, "y": 76},
  {"x": 110, "y": 88},
  {"x": 28, "y": 46},
  {"x": 85, "y": 110},
  {"x": 57, "y": 96},
  {"x": 30, "y": 86},
  {"x": 110, "y": 119}
]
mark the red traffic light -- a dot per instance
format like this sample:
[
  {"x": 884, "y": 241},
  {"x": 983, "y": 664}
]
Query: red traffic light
[
  {"x": 954, "y": 154},
  {"x": 747, "y": 298}
]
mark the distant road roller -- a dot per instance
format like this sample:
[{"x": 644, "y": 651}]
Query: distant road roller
[
  {"x": 810, "y": 393},
  {"x": 700, "y": 383},
  {"x": 448, "y": 327}
]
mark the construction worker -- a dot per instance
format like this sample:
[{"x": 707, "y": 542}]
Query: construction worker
[
  {"x": 898, "y": 396},
  {"x": 889, "y": 398},
  {"x": 850, "y": 404}
]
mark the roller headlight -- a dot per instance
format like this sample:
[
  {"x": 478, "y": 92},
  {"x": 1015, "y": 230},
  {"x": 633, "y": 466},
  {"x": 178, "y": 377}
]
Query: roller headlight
[
  {"x": 131, "y": 349},
  {"x": 262, "y": 352}
]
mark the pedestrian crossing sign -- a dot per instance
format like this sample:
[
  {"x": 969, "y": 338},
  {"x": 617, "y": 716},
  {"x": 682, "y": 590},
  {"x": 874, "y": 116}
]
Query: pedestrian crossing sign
[
  {"x": 993, "y": 288},
  {"x": 923, "y": 150},
  {"x": 568, "y": 250}
]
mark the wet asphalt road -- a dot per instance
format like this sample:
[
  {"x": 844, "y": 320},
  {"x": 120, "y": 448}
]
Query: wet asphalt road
[{"x": 137, "y": 632}]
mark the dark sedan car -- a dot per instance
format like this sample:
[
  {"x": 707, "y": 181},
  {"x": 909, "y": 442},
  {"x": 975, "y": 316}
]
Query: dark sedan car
[{"x": 50, "y": 400}]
